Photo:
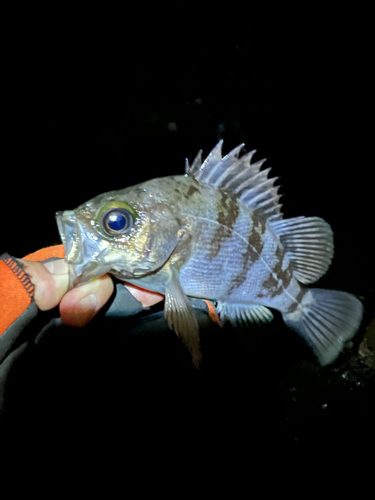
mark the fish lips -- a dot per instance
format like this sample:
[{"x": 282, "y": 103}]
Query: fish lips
[
  {"x": 69, "y": 231},
  {"x": 81, "y": 251}
]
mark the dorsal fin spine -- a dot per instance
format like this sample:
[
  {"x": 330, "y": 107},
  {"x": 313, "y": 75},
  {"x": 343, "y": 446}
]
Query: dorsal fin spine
[
  {"x": 231, "y": 157},
  {"x": 268, "y": 183},
  {"x": 233, "y": 167},
  {"x": 244, "y": 173},
  {"x": 239, "y": 177},
  {"x": 275, "y": 200}
]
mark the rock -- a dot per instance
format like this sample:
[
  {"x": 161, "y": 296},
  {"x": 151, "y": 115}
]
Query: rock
[{"x": 366, "y": 349}]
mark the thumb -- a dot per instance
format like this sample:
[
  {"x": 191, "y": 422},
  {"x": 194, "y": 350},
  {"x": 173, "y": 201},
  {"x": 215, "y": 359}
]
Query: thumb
[
  {"x": 80, "y": 304},
  {"x": 51, "y": 281}
]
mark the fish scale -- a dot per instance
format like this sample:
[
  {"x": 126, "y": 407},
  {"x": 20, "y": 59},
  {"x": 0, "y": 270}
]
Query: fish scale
[
  {"x": 216, "y": 233},
  {"x": 215, "y": 273}
]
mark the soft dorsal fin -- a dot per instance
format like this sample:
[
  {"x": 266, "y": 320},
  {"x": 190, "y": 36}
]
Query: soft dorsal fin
[
  {"x": 239, "y": 177},
  {"x": 309, "y": 241}
]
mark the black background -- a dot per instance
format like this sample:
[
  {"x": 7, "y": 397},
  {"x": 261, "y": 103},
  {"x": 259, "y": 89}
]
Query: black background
[{"x": 87, "y": 108}]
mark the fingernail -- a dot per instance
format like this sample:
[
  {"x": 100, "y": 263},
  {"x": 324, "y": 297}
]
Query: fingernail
[
  {"x": 86, "y": 309},
  {"x": 58, "y": 266}
]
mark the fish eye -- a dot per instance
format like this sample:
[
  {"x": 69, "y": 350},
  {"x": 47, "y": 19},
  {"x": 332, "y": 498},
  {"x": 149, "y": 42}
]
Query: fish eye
[{"x": 116, "y": 218}]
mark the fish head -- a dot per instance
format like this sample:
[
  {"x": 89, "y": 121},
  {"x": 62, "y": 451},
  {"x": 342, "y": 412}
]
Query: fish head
[{"x": 126, "y": 233}]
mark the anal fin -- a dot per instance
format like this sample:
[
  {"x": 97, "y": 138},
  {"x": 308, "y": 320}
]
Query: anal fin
[{"x": 244, "y": 313}]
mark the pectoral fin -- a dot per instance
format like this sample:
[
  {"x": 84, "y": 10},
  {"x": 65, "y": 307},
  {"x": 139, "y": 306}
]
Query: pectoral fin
[{"x": 181, "y": 317}]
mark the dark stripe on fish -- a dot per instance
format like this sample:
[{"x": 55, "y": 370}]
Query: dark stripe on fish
[
  {"x": 227, "y": 213},
  {"x": 250, "y": 256},
  {"x": 298, "y": 299},
  {"x": 194, "y": 188},
  {"x": 271, "y": 284}
]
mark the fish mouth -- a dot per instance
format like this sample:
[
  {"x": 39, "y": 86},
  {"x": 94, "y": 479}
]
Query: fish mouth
[
  {"x": 80, "y": 252},
  {"x": 68, "y": 229}
]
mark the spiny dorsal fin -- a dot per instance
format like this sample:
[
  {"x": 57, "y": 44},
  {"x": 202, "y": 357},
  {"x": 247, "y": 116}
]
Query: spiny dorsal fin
[
  {"x": 239, "y": 177},
  {"x": 309, "y": 241}
]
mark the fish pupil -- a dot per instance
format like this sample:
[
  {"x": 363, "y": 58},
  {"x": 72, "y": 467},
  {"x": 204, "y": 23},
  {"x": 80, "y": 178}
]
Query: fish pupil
[{"x": 118, "y": 221}]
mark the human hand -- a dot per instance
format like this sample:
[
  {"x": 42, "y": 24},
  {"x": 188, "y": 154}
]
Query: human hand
[{"x": 79, "y": 305}]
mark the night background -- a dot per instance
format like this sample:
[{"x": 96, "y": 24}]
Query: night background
[{"x": 87, "y": 113}]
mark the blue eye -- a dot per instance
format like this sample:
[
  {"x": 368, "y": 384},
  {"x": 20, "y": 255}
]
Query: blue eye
[{"x": 118, "y": 221}]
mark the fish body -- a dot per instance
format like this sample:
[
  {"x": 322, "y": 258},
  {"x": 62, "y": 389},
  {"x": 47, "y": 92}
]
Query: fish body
[{"x": 215, "y": 233}]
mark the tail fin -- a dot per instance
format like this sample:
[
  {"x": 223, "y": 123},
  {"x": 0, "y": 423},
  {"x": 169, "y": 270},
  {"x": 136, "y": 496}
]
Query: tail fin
[{"x": 326, "y": 319}]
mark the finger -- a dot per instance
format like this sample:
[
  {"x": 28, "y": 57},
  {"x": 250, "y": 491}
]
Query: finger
[
  {"x": 80, "y": 305},
  {"x": 50, "y": 279},
  {"x": 145, "y": 297}
]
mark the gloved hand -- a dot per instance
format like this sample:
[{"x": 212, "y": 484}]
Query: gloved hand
[{"x": 39, "y": 282}]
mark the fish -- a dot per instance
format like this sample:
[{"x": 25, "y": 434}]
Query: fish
[{"x": 215, "y": 233}]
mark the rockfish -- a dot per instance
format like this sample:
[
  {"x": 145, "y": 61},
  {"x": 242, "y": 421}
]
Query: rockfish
[{"x": 216, "y": 233}]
